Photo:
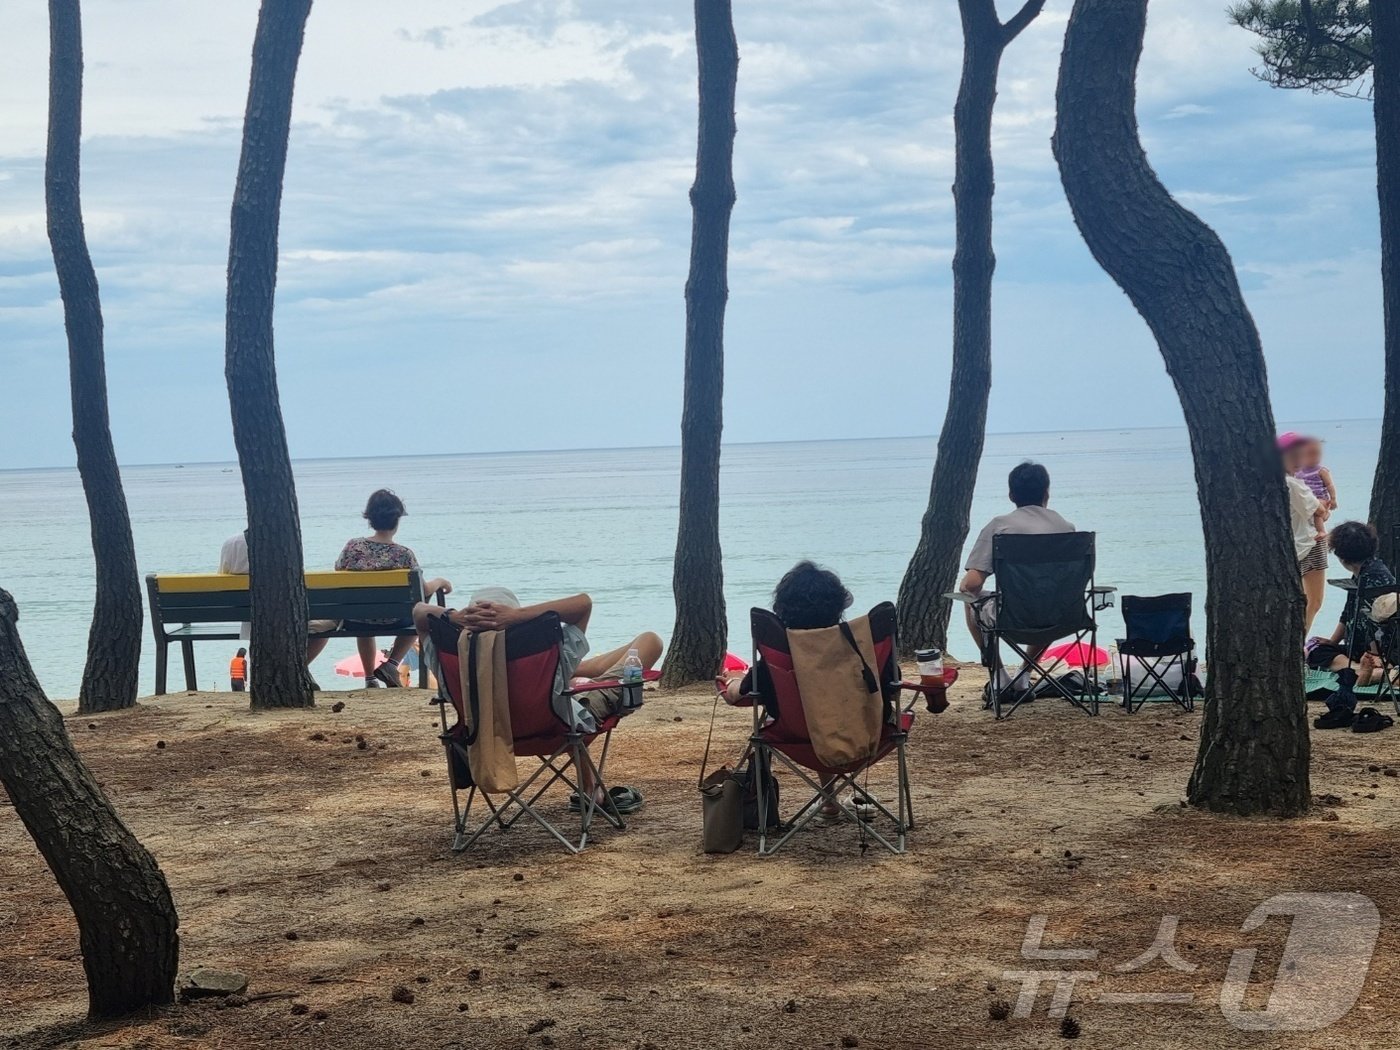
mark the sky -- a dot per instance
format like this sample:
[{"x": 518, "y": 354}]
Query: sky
[{"x": 485, "y": 227}]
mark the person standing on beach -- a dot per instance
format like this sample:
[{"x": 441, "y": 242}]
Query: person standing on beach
[
  {"x": 376, "y": 552},
  {"x": 1028, "y": 486},
  {"x": 1308, "y": 516},
  {"x": 238, "y": 671}
]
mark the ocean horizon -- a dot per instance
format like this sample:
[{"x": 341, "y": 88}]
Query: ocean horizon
[{"x": 549, "y": 522}]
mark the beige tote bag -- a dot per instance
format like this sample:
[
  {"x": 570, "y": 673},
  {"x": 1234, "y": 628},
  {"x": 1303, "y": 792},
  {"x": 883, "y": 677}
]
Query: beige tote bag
[
  {"x": 841, "y": 697},
  {"x": 491, "y": 752}
]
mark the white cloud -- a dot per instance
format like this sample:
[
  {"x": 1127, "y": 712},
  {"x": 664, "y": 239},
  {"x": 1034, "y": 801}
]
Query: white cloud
[{"x": 516, "y": 174}]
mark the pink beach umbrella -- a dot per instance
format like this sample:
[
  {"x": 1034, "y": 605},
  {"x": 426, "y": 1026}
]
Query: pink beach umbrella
[
  {"x": 1077, "y": 654},
  {"x": 351, "y": 667}
]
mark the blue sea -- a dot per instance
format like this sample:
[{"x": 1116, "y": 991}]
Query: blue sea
[{"x": 604, "y": 521}]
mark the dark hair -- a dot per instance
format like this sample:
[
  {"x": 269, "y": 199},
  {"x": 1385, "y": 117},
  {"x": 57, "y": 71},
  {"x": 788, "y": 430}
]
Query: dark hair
[
  {"x": 243, "y": 652},
  {"x": 1029, "y": 484},
  {"x": 1354, "y": 542},
  {"x": 809, "y": 597},
  {"x": 384, "y": 510}
]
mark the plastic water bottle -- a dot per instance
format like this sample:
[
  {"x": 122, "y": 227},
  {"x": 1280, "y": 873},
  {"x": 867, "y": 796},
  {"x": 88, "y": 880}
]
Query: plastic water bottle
[{"x": 632, "y": 680}]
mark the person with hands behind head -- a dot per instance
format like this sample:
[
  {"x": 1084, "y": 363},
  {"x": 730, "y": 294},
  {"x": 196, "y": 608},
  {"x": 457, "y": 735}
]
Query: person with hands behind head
[{"x": 498, "y": 609}]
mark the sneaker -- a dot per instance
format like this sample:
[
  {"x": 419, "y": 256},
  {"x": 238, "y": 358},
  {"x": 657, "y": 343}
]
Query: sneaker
[
  {"x": 1335, "y": 718},
  {"x": 388, "y": 674}
]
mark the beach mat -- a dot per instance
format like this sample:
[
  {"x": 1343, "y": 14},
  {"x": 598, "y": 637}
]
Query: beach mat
[{"x": 1318, "y": 685}]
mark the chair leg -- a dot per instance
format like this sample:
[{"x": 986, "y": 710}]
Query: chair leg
[
  {"x": 187, "y": 651},
  {"x": 162, "y": 664}
]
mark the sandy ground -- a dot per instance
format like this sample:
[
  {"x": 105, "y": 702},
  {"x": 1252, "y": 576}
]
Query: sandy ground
[{"x": 322, "y": 868}]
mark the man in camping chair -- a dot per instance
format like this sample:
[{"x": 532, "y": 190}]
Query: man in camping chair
[
  {"x": 1028, "y": 486},
  {"x": 497, "y": 608}
]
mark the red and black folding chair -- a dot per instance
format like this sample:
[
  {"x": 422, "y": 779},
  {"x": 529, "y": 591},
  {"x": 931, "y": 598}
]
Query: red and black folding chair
[
  {"x": 780, "y": 731},
  {"x": 538, "y": 729}
]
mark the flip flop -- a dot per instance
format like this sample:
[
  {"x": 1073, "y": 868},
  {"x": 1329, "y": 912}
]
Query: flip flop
[
  {"x": 621, "y": 800},
  {"x": 1369, "y": 720}
]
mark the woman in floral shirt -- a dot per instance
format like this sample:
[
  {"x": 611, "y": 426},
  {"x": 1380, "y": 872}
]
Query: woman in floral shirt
[{"x": 379, "y": 551}]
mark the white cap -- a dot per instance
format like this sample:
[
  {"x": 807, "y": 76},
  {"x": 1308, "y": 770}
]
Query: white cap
[{"x": 497, "y": 596}]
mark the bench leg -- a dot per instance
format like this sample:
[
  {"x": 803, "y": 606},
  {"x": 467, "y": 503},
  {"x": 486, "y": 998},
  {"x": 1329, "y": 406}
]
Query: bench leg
[
  {"x": 187, "y": 650},
  {"x": 162, "y": 663}
]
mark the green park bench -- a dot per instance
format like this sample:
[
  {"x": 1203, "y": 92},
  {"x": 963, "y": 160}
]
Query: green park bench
[{"x": 212, "y": 607}]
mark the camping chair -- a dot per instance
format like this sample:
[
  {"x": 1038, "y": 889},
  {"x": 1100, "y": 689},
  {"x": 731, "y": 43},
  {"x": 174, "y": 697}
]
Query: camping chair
[
  {"x": 1386, "y": 636},
  {"x": 1045, "y": 592},
  {"x": 788, "y": 739},
  {"x": 537, "y": 728},
  {"x": 1158, "y": 648}
]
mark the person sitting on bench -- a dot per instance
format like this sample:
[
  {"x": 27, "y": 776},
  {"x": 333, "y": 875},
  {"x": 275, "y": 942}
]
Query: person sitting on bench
[{"x": 375, "y": 552}]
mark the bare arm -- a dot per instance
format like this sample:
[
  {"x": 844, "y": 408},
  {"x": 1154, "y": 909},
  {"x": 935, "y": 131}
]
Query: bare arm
[
  {"x": 492, "y": 616},
  {"x": 973, "y": 582},
  {"x": 1326, "y": 476}
]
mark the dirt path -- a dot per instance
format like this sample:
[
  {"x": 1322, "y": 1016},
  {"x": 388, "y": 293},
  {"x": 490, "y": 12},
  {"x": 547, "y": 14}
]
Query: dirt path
[{"x": 318, "y": 863}]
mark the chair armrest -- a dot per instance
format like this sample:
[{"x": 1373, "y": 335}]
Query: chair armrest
[
  {"x": 964, "y": 597},
  {"x": 597, "y": 685},
  {"x": 441, "y": 597},
  {"x": 745, "y": 700},
  {"x": 950, "y": 675}
]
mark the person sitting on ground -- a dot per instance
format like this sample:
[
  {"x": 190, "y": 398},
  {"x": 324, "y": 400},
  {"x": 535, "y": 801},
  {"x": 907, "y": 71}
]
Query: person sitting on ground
[
  {"x": 498, "y": 609},
  {"x": 233, "y": 560},
  {"x": 807, "y": 598},
  {"x": 1351, "y": 650},
  {"x": 1028, "y": 486},
  {"x": 376, "y": 552}
]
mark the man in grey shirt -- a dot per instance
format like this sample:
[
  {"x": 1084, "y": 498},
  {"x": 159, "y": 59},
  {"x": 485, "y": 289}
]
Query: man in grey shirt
[{"x": 1029, "y": 489}]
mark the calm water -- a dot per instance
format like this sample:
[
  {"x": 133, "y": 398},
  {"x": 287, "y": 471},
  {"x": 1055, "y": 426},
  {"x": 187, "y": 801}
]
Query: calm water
[{"x": 552, "y": 523}]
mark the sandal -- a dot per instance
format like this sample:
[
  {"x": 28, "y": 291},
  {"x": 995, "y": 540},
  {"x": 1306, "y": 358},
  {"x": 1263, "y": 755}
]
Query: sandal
[
  {"x": 1369, "y": 720},
  {"x": 620, "y": 801}
]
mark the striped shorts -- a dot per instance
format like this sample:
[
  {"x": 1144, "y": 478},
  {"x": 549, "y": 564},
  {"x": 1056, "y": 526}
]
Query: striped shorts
[{"x": 1315, "y": 560}]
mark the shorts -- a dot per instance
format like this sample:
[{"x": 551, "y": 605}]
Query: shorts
[
  {"x": 238, "y": 684},
  {"x": 322, "y": 626},
  {"x": 1320, "y": 656},
  {"x": 374, "y": 626},
  {"x": 1315, "y": 560},
  {"x": 602, "y": 704}
]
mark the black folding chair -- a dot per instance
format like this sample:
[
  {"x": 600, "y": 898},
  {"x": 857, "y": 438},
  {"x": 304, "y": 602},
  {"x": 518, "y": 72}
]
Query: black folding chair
[
  {"x": 1159, "y": 651},
  {"x": 1045, "y": 592},
  {"x": 1384, "y": 636}
]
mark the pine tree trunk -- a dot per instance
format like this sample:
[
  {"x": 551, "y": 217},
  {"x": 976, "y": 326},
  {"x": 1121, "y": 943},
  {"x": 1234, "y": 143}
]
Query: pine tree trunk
[
  {"x": 1385, "y": 40},
  {"x": 698, "y": 641},
  {"x": 1254, "y": 748},
  {"x": 933, "y": 570},
  {"x": 126, "y": 919},
  {"x": 114, "y": 642},
  {"x": 277, "y": 590}
]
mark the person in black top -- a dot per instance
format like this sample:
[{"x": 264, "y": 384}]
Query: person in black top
[
  {"x": 1351, "y": 651},
  {"x": 806, "y": 598}
]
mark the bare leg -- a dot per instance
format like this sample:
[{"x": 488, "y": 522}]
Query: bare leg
[
  {"x": 648, "y": 646},
  {"x": 369, "y": 656},
  {"x": 1314, "y": 587},
  {"x": 402, "y": 644},
  {"x": 314, "y": 647}
]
